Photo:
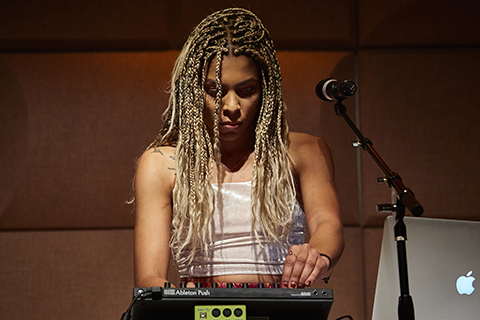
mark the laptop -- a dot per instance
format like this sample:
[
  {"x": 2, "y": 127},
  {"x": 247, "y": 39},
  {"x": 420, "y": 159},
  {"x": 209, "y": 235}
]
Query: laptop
[{"x": 443, "y": 258}]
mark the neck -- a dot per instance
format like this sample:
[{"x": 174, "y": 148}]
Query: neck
[{"x": 235, "y": 159}]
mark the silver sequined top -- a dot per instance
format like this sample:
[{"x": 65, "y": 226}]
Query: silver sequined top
[{"x": 235, "y": 249}]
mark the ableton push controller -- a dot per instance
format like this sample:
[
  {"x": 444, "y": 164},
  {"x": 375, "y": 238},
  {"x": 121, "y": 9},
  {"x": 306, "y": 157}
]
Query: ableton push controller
[{"x": 244, "y": 303}]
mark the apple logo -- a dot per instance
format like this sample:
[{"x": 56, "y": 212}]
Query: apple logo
[{"x": 465, "y": 284}]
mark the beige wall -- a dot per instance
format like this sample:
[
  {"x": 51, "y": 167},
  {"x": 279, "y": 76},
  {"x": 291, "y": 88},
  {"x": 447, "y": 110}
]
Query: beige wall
[{"x": 82, "y": 89}]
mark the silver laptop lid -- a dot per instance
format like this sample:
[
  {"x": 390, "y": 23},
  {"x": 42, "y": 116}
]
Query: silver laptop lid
[{"x": 443, "y": 259}]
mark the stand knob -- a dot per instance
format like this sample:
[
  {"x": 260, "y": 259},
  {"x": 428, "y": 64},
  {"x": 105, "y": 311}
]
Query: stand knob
[
  {"x": 386, "y": 207},
  {"x": 382, "y": 180}
]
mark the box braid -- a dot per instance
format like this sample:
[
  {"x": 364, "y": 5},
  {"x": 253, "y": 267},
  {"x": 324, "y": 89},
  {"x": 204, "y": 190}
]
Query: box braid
[{"x": 238, "y": 32}]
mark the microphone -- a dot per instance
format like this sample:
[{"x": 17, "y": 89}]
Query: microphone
[{"x": 330, "y": 89}]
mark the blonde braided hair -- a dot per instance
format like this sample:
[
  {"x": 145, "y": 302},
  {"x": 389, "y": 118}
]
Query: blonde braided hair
[{"x": 238, "y": 32}]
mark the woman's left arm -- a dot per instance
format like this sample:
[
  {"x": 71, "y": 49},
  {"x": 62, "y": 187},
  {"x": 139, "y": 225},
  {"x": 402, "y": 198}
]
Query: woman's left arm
[{"x": 313, "y": 166}]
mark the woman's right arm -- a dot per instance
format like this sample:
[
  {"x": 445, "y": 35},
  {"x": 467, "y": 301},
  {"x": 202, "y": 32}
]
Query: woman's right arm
[{"x": 154, "y": 181}]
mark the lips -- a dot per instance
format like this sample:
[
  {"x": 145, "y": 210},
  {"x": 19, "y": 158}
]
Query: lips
[{"x": 230, "y": 125}]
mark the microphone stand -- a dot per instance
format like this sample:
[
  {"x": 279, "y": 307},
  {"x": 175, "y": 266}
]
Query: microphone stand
[{"x": 404, "y": 198}]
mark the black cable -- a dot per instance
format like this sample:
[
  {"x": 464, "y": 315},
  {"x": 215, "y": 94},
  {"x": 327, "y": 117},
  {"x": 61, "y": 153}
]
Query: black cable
[{"x": 127, "y": 315}]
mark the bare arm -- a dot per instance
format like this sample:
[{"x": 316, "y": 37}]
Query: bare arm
[
  {"x": 154, "y": 180},
  {"x": 314, "y": 167}
]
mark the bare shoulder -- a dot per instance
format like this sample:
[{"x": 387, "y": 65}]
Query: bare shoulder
[
  {"x": 300, "y": 138},
  {"x": 309, "y": 154},
  {"x": 306, "y": 145},
  {"x": 158, "y": 158},
  {"x": 156, "y": 166}
]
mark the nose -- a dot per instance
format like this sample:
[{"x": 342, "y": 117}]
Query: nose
[{"x": 230, "y": 103}]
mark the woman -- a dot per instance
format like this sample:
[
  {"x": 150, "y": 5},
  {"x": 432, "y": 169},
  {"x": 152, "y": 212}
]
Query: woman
[{"x": 225, "y": 187}]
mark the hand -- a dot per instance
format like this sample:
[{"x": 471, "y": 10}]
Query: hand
[{"x": 303, "y": 265}]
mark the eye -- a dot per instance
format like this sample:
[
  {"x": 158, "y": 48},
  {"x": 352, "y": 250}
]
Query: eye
[
  {"x": 211, "y": 90},
  {"x": 247, "y": 91}
]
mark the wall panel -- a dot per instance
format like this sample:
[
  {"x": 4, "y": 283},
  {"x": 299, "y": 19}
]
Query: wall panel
[
  {"x": 416, "y": 107},
  {"x": 418, "y": 23},
  {"x": 66, "y": 274},
  {"x": 85, "y": 118},
  {"x": 163, "y": 25},
  {"x": 85, "y": 25}
]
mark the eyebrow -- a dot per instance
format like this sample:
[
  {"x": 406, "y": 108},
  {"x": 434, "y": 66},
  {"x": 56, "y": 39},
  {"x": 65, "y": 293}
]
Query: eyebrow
[{"x": 211, "y": 81}]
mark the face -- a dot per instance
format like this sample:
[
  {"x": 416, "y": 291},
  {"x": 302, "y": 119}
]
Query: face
[{"x": 241, "y": 94}]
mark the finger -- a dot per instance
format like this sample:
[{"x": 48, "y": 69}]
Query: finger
[
  {"x": 314, "y": 273},
  {"x": 310, "y": 270},
  {"x": 298, "y": 268},
  {"x": 321, "y": 267},
  {"x": 288, "y": 268}
]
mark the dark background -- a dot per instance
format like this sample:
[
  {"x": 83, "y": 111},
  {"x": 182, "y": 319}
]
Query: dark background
[{"x": 82, "y": 90}]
